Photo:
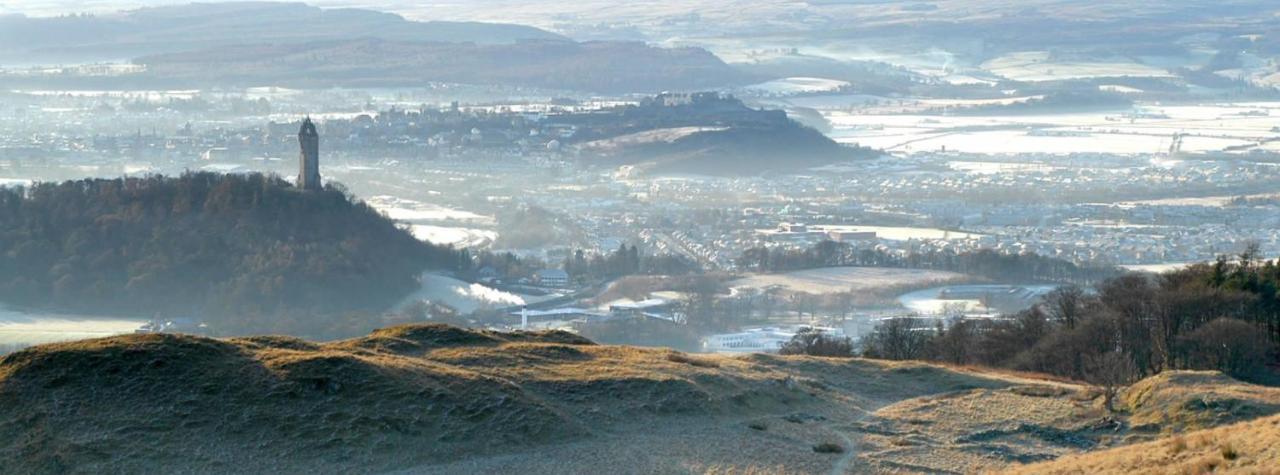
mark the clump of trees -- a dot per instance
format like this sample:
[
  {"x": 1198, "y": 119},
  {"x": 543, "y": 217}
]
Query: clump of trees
[
  {"x": 1221, "y": 316},
  {"x": 621, "y": 262},
  {"x": 817, "y": 343},
  {"x": 244, "y": 253}
]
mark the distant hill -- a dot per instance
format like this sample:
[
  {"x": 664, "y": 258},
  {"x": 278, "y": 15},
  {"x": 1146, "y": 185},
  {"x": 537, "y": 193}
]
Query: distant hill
[
  {"x": 205, "y": 25},
  {"x": 609, "y": 67},
  {"x": 707, "y": 133},
  {"x": 244, "y": 253}
]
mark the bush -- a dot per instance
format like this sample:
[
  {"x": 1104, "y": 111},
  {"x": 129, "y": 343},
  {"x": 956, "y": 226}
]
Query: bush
[
  {"x": 828, "y": 448},
  {"x": 1228, "y": 345},
  {"x": 816, "y": 343},
  {"x": 897, "y": 339},
  {"x": 1228, "y": 451},
  {"x": 678, "y": 357}
]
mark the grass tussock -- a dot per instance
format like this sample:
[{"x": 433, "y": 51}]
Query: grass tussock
[
  {"x": 1228, "y": 451},
  {"x": 828, "y": 448},
  {"x": 678, "y": 357}
]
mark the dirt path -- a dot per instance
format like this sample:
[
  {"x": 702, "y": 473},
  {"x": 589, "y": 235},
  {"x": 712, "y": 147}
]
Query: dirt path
[{"x": 841, "y": 466}]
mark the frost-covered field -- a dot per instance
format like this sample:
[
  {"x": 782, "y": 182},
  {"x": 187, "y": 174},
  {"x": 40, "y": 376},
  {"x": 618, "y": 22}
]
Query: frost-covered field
[
  {"x": 1034, "y": 66},
  {"x": 928, "y": 301},
  {"x": 450, "y": 236},
  {"x": 1147, "y": 129},
  {"x": 798, "y": 85},
  {"x": 1157, "y": 268},
  {"x": 902, "y": 233},
  {"x": 19, "y": 329},
  {"x": 437, "y": 224},
  {"x": 405, "y": 210},
  {"x": 844, "y": 279}
]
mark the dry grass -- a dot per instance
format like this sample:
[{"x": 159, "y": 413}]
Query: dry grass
[
  {"x": 465, "y": 401},
  {"x": 356, "y": 403},
  {"x": 406, "y": 396},
  {"x": 1188, "y": 400},
  {"x": 985, "y": 429},
  {"x": 1248, "y": 447},
  {"x": 747, "y": 470},
  {"x": 828, "y": 448},
  {"x": 679, "y": 357}
]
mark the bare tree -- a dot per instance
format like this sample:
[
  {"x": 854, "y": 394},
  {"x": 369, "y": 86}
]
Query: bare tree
[
  {"x": 1066, "y": 304},
  {"x": 816, "y": 343},
  {"x": 956, "y": 343},
  {"x": 897, "y": 339},
  {"x": 1250, "y": 254},
  {"x": 1110, "y": 372}
]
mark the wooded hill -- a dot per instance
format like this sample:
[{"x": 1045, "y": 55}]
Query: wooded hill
[
  {"x": 598, "y": 66},
  {"x": 204, "y": 25},
  {"x": 244, "y": 253}
]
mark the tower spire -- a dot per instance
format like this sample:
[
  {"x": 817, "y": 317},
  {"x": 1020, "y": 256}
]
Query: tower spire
[{"x": 309, "y": 158}]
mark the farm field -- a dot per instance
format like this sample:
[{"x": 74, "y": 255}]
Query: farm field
[{"x": 843, "y": 279}]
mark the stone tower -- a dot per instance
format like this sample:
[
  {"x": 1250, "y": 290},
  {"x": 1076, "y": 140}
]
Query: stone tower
[{"x": 309, "y": 160}]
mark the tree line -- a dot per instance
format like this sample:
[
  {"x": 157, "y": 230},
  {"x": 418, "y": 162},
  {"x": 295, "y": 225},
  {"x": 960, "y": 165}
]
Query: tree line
[
  {"x": 1222, "y": 316},
  {"x": 985, "y": 262}
]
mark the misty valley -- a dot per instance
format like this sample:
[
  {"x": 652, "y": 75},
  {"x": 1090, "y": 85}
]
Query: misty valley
[{"x": 704, "y": 237}]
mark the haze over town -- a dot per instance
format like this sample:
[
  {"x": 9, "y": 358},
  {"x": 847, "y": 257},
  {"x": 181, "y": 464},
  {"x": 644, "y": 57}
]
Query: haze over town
[{"x": 958, "y": 181}]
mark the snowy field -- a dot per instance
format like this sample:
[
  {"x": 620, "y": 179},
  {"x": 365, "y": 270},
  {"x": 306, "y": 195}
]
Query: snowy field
[
  {"x": 1033, "y": 66},
  {"x": 405, "y": 210},
  {"x": 1206, "y": 201},
  {"x": 797, "y": 85},
  {"x": 1147, "y": 129},
  {"x": 927, "y": 301},
  {"x": 1157, "y": 268},
  {"x": 20, "y": 329},
  {"x": 899, "y": 233},
  {"x": 832, "y": 280},
  {"x": 451, "y": 236},
  {"x": 437, "y": 224}
]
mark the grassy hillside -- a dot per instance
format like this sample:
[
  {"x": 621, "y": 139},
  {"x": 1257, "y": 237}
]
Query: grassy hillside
[
  {"x": 1247, "y": 448},
  {"x": 423, "y": 396},
  {"x": 986, "y": 429},
  {"x": 438, "y": 399}
]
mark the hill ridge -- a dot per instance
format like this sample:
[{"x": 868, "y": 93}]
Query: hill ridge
[{"x": 430, "y": 398}]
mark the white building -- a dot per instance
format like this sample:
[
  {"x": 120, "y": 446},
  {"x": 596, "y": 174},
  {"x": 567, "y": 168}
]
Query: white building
[{"x": 551, "y": 278}]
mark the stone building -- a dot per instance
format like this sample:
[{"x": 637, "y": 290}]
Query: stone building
[{"x": 309, "y": 160}]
